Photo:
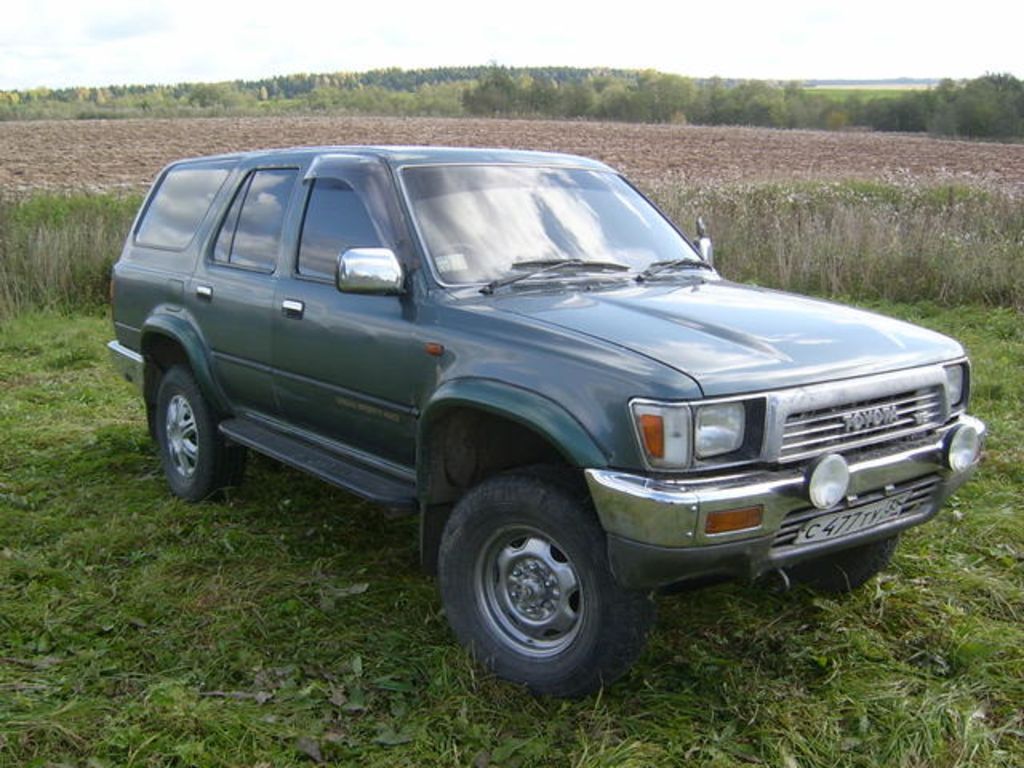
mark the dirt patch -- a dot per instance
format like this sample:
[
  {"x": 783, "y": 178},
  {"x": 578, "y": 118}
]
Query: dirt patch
[{"x": 106, "y": 154}]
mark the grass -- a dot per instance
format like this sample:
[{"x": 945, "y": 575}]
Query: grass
[
  {"x": 290, "y": 623},
  {"x": 841, "y": 94},
  {"x": 872, "y": 240},
  {"x": 56, "y": 250}
]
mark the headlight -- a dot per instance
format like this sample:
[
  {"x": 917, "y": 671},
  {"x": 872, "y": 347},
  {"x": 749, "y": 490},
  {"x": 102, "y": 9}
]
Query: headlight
[
  {"x": 664, "y": 432},
  {"x": 673, "y": 435},
  {"x": 719, "y": 429},
  {"x": 956, "y": 377}
]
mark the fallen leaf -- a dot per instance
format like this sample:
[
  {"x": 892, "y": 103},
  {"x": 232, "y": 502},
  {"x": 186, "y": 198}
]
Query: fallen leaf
[
  {"x": 338, "y": 697},
  {"x": 260, "y": 697},
  {"x": 44, "y": 663},
  {"x": 310, "y": 748},
  {"x": 507, "y": 748},
  {"x": 395, "y": 684},
  {"x": 389, "y": 737},
  {"x": 352, "y": 589},
  {"x": 356, "y": 700}
]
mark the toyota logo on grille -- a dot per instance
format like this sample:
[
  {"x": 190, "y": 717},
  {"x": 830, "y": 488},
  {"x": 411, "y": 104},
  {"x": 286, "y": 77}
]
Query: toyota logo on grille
[{"x": 869, "y": 418}]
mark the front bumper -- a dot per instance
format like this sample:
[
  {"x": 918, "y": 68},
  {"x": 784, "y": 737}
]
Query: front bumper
[
  {"x": 656, "y": 527},
  {"x": 127, "y": 362}
]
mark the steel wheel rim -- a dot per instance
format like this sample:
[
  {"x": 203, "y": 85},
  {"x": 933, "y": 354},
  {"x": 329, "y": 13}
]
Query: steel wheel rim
[
  {"x": 182, "y": 436},
  {"x": 529, "y": 592}
]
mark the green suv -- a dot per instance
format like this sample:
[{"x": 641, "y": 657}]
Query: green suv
[{"x": 522, "y": 350}]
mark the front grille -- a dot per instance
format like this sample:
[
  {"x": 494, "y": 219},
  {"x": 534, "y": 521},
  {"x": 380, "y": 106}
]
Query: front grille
[
  {"x": 918, "y": 492},
  {"x": 860, "y": 424}
]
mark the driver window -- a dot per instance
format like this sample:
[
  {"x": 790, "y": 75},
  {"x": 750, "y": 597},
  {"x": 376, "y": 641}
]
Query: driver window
[{"x": 335, "y": 220}]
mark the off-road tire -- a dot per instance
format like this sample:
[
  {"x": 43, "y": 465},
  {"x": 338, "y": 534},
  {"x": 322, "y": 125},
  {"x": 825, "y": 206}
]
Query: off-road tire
[
  {"x": 527, "y": 544},
  {"x": 847, "y": 570},
  {"x": 196, "y": 460}
]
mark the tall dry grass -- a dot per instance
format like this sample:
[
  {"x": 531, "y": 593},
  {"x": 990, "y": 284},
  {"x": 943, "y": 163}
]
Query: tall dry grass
[
  {"x": 900, "y": 242},
  {"x": 56, "y": 250}
]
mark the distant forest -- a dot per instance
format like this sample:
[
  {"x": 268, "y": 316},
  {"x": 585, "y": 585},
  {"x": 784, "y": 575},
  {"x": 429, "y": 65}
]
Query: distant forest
[{"x": 986, "y": 107}]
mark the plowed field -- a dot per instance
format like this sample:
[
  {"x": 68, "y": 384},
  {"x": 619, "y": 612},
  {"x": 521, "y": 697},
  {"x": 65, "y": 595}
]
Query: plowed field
[{"x": 128, "y": 153}]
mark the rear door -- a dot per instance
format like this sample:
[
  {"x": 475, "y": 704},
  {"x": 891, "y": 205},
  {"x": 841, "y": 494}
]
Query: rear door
[
  {"x": 232, "y": 291},
  {"x": 348, "y": 367}
]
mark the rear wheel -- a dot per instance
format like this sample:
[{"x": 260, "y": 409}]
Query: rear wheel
[
  {"x": 196, "y": 460},
  {"x": 526, "y": 585},
  {"x": 846, "y": 570}
]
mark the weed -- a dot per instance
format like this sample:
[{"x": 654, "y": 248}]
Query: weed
[
  {"x": 863, "y": 239},
  {"x": 868, "y": 240},
  {"x": 56, "y": 251}
]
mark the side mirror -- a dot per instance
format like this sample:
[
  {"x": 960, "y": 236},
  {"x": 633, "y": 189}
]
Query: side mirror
[
  {"x": 370, "y": 271},
  {"x": 707, "y": 250}
]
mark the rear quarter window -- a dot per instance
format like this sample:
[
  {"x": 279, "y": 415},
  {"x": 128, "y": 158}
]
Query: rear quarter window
[{"x": 178, "y": 206}]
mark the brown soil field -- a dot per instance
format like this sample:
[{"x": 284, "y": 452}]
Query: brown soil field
[{"x": 110, "y": 154}]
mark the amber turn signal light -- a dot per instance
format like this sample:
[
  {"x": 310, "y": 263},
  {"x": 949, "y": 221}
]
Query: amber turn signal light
[
  {"x": 652, "y": 427},
  {"x": 728, "y": 520}
]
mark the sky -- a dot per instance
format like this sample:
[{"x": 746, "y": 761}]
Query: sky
[{"x": 59, "y": 43}]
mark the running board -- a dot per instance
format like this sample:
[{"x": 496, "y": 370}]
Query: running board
[{"x": 390, "y": 492}]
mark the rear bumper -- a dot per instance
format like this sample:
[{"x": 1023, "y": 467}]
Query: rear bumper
[
  {"x": 128, "y": 363},
  {"x": 656, "y": 528}
]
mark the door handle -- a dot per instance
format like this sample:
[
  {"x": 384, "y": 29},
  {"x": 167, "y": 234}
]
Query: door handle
[
  {"x": 292, "y": 308},
  {"x": 204, "y": 291}
]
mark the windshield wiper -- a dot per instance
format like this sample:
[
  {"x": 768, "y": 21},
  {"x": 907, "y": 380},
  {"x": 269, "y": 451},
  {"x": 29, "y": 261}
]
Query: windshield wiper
[
  {"x": 541, "y": 266},
  {"x": 663, "y": 266}
]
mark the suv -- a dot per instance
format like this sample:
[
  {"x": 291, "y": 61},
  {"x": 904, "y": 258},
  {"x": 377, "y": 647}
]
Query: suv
[{"x": 522, "y": 350}]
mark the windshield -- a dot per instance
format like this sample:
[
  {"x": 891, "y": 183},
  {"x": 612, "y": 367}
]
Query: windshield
[{"x": 480, "y": 223}]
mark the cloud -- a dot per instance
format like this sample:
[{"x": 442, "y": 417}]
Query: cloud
[
  {"x": 130, "y": 23},
  {"x": 60, "y": 43}
]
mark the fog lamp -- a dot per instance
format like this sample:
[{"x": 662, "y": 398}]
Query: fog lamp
[
  {"x": 963, "y": 447},
  {"x": 828, "y": 479}
]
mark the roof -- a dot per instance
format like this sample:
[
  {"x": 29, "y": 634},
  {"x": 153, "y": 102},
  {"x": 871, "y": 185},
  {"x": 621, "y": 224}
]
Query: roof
[{"x": 414, "y": 155}]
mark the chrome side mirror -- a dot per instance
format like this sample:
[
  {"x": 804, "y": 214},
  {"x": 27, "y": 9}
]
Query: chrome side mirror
[
  {"x": 369, "y": 270},
  {"x": 707, "y": 250}
]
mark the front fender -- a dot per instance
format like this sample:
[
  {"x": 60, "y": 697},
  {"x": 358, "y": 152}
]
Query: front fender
[
  {"x": 535, "y": 412},
  {"x": 178, "y": 329}
]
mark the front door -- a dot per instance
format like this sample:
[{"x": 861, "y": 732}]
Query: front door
[{"x": 348, "y": 367}]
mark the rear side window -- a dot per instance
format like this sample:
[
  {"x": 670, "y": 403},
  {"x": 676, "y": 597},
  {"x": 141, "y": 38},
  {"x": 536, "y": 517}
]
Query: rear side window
[
  {"x": 178, "y": 206},
  {"x": 251, "y": 232},
  {"x": 335, "y": 220}
]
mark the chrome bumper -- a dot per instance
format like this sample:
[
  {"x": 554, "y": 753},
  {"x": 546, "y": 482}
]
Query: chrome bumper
[
  {"x": 128, "y": 363},
  {"x": 656, "y": 527}
]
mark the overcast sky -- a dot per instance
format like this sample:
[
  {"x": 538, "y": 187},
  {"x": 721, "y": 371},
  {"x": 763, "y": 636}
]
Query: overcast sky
[{"x": 103, "y": 42}]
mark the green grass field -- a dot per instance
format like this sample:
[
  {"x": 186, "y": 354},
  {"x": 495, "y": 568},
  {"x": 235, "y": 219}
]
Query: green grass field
[
  {"x": 864, "y": 94},
  {"x": 290, "y": 623}
]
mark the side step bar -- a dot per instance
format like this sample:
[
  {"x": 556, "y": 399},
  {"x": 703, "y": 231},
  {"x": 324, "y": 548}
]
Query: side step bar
[{"x": 390, "y": 492}]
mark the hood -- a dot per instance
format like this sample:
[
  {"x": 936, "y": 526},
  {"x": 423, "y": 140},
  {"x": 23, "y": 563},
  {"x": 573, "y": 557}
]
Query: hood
[{"x": 735, "y": 338}]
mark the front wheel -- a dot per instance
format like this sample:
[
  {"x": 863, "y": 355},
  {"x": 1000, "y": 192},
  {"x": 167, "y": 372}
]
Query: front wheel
[
  {"x": 526, "y": 585},
  {"x": 197, "y": 462}
]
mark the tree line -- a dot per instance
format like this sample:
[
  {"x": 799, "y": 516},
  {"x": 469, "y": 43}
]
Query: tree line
[{"x": 991, "y": 106}]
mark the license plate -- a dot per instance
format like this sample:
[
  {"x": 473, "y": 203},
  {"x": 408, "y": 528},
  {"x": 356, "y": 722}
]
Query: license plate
[{"x": 851, "y": 520}]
